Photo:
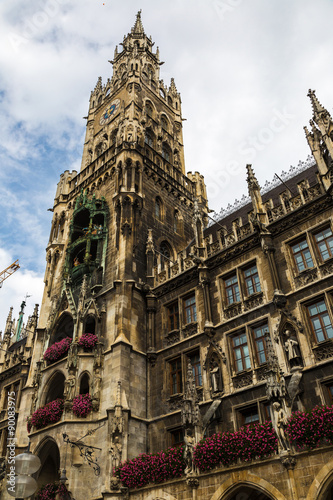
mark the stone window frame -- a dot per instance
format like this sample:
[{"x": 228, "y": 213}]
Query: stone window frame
[
  {"x": 181, "y": 370},
  {"x": 309, "y": 236},
  {"x": 326, "y": 298},
  {"x": 174, "y": 314},
  {"x": 325, "y": 389},
  {"x": 191, "y": 308},
  {"x": 247, "y": 329},
  {"x": 243, "y": 291},
  {"x": 317, "y": 250},
  {"x": 261, "y": 406}
]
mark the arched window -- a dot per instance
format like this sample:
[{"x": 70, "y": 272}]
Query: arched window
[
  {"x": 166, "y": 152},
  {"x": 64, "y": 328},
  {"x": 55, "y": 388},
  {"x": 164, "y": 123},
  {"x": 165, "y": 254},
  {"x": 158, "y": 209},
  {"x": 84, "y": 384},
  {"x": 149, "y": 109},
  {"x": 149, "y": 138},
  {"x": 90, "y": 325}
]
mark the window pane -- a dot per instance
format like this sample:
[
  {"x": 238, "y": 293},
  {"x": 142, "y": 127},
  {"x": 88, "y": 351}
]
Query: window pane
[
  {"x": 320, "y": 321},
  {"x": 302, "y": 255}
]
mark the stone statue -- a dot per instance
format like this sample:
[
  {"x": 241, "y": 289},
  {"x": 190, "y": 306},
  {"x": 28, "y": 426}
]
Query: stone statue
[
  {"x": 72, "y": 356},
  {"x": 215, "y": 376},
  {"x": 291, "y": 346},
  {"x": 116, "y": 451},
  {"x": 188, "y": 452},
  {"x": 280, "y": 423},
  {"x": 69, "y": 389},
  {"x": 96, "y": 385}
]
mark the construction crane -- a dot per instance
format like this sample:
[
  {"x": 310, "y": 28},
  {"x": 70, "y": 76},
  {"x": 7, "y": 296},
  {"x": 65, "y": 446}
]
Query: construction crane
[{"x": 8, "y": 272}]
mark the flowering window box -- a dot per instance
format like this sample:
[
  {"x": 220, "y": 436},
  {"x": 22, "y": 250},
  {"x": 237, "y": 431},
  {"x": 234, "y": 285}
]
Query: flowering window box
[
  {"x": 88, "y": 341},
  {"x": 48, "y": 414},
  {"x": 82, "y": 405},
  {"x": 52, "y": 491},
  {"x": 57, "y": 350}
]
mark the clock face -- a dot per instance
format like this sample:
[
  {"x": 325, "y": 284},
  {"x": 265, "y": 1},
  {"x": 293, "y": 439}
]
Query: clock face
[{"x": 109, "y": 112}]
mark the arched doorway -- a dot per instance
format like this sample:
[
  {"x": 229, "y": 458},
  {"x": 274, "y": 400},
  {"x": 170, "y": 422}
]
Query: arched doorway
[
  {"x": 247, "y": 493},
  {"x": 50, "y": 459},
  {"x": 54, "y": 388},
  {"x": 327, "y": 493}
]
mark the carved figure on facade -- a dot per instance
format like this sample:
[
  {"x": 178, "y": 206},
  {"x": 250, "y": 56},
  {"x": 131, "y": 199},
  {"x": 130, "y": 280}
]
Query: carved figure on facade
[
  {"x": 69, "y": 388},
  {"x": 72, "y": 356},
  {"x": 116, "y": 452},
  {"x": 98, "y": 355},
  {"x": 280, "y": 423},
  {"x": 215, "y": 375},
  {"x": 188, "y": 452},
  {"x": 292, "y": 349}
]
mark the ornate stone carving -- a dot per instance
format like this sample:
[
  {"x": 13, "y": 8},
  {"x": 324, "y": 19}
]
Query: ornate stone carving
[
  {"x": 192, "y": 482},
  {"x": 323, "y": 351},
  {"x": 253, "y": 302},
  {"x": 306, "y": 277},
  {"x": 70, "y": 383},
  {"x": 175, "y": 402},
  {"x": 261, "y": 373},
  {"x": 189, "y": 330},
  {"x": 232, "y": 311},
  {"x": 326, "y": 268},
  {"x": 172, "y": 337},
  {"x": 242, "y": 380}
]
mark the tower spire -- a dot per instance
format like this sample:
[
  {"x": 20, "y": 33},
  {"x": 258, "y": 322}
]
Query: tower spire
[{"x": 138, "y": 26}]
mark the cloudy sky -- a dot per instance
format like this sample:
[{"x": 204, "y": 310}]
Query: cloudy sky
[{"x": 243, "y": 68}]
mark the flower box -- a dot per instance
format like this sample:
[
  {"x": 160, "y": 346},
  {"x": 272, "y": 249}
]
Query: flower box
[
  {"x": 57, "y": 350},
  {"x": 52, "y": 491},
  {"x": 48, "y": 414},
  {"x": 88, "y": 341},
  {"x": 82, "y": 405}
]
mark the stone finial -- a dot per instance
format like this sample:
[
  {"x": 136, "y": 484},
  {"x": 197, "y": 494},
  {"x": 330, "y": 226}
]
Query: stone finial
[
  {"x": 138, "y": 26},
  {"x": 115, "y": 52},
  {"x": 254, "y": 191},
  {"x": 157, "y": 53},
  {"x": 173, "y": 88},
  {"x": 9, "y": 322},
  {"x": 316, "y": 105}
]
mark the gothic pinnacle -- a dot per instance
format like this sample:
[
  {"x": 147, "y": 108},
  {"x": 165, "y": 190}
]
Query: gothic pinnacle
[
  {"x": 9, "y": 321},
  {"x": 138, "y": 27},
  {"x": 251, "y": 178},
  {"x": 316, "y": 106}
]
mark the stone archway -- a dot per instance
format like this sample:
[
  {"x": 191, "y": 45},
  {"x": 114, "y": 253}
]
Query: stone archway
[
  {"x": 49, "y": 455},
  {"x": 322, "y": 485},
  {"x": 248, "y": 485}
]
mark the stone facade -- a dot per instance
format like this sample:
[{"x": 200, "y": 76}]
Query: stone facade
[{"x": 201, "y": 328}]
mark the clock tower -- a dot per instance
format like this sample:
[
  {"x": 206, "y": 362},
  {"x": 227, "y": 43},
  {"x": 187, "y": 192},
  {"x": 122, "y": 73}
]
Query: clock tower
[{"x": 125, "y": 222}]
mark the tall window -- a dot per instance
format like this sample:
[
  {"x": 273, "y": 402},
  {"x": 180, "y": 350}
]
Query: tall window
[
  {"x": 166, "y": 152},
  {"x": 241, "y": 352},
  {"x": 173, "y": 317},
  {"x": 158, "y": 209},
  {"x": 196, "y": 366},
  {"x": 232, "y": 289},
  {"x": 302, "y": 255},
  {"x": 324, "y": 241},
  {"x": 251, "y": 279},
  {"x": 149, "y": 138},
  {"x": 176, "y": 385},
  {"x": 190, "y": 309},
  {"x": 259, "y": 333},
  {"x": 320, "y": 321}
]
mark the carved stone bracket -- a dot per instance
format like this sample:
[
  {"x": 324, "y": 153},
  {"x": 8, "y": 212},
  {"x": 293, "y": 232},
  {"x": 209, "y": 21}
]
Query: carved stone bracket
[
  {"x": 192, "y": 482},
  {"x": 288, "y": 461},
  {"x": 152, "y": 356}
]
